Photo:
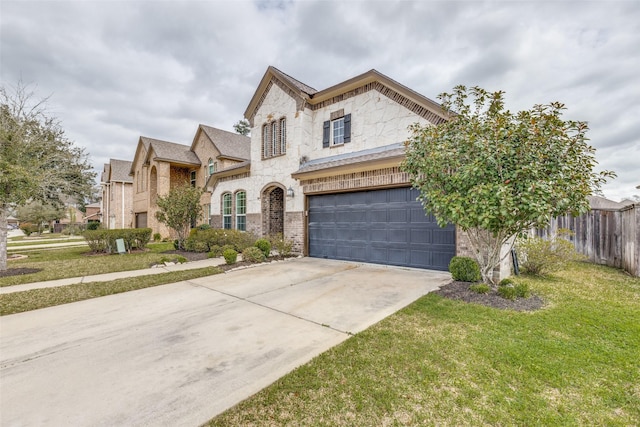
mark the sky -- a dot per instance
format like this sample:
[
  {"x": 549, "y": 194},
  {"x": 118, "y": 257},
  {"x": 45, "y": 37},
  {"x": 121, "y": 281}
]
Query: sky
[{"x": 118, "y": 70}]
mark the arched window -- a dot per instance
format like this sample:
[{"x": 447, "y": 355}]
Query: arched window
[
  {"x": 226, "y": 210},
  {"x": 241, "y": 210}
]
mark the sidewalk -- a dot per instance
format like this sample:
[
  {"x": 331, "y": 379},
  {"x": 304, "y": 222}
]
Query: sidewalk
[{"x": 211, "y": 262}]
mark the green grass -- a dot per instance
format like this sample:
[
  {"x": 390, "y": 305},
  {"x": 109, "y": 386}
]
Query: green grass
[
  {"x": 21, "y": 243},
  {"x": 77, "y": 261},
  {"x": 443, "y": 362},
  {"x": 34, "y": 299}
]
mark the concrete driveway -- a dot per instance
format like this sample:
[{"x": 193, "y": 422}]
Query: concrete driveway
[{"x": 179, "y": 354}]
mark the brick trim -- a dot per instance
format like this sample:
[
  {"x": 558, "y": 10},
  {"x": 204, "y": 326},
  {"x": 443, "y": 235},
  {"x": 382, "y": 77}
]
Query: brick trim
[{"x": 387, "y": 177}]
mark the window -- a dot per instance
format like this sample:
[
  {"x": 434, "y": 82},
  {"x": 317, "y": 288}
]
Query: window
[
  {"x": 283, "y": 135},
  {"x": 274, "y": 138},
  {"x": 265, "y": 141},
  {"x": 226, "y": 211},
  {"x": 336, "y": 131},
  {"x": 241, "y": 211},
  {"x": 193, "y": 178},
  {"x": 212, "y": 167}
]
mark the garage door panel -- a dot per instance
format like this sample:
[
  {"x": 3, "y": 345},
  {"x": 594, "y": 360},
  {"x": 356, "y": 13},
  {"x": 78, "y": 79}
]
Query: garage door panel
[{"x": 381, "y": 226}]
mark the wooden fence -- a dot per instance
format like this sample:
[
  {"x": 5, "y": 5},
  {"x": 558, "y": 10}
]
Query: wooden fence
[{"x": 605, "y": 236}]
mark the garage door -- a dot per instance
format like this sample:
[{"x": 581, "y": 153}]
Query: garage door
[{"x": 379, "y": 226}]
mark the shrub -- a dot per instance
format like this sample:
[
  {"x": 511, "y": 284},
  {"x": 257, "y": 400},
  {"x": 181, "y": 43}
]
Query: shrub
[
  {"x": 221, "y": 237},
  {"x": 176, "y": 244},
  {"x": 480, "y": 288},
  {"x": 505, "y": 282},
  {"x": 230, "y": 256},
  {"x": 181, "y": 259},
  {"x": 464, "y": 269},
  {"x": 281, "y": 245},
  {"x": 507, "y": 292},
  {"x": 93, "y": 225},
  {"x": 103, "y": 240},
  {"x": 539, "y": 256},
  {"x": 522, "y": 290},
  {"x": 253, "y": 254},
  {"x": 204, "y": 227},
  {"x": 265, "y": 246},
  {"x": 156, "y": 237},
  {"x": 214, "y": 251},
  {"x": 28, "y": 228}
]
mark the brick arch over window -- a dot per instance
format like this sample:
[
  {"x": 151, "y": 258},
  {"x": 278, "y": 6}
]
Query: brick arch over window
[{"x": 273, "y": 203}]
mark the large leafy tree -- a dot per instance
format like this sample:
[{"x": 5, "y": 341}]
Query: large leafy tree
[
  {"x": 37, "y": 160},
  {"x": 39, "y": 213},
  {"x": 496, "y": 174},
  {"x": 179, "y": 209}
]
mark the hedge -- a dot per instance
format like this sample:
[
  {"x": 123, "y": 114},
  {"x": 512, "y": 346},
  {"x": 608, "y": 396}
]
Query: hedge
[{"x": 105, "y": 240}]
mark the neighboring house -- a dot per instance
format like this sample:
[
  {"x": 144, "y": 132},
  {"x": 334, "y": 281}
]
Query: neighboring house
[
  {"x": 93, "y": 212},
  {"x": 159, "y": 166},
  {"x": 117, "y": 193},
  {"x": 324, "y": 171},
  {"x": 217, "y": 150}
]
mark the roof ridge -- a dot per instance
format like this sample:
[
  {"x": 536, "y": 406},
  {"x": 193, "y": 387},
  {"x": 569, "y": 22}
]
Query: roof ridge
[{"x": 297, "y": 83}]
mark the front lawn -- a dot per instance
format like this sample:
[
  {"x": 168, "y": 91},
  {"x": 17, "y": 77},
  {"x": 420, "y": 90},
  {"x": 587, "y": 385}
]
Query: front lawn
[
  {"x": 78, "y": 261},
  {"x": 446, "y": 362}
]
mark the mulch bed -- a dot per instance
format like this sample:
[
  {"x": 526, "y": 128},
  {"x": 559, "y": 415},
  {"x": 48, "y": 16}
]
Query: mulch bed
[
  {"x": 18, "y": 271},
  {"x": 460, "y": 291}
]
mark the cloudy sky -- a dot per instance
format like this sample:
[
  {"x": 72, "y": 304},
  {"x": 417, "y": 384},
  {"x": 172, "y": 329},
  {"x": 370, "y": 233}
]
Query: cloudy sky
[{"x": 116, "y": 70}]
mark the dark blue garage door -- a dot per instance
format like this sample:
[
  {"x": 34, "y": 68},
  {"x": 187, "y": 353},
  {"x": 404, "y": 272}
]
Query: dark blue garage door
[{"x": 378, "y": 226}]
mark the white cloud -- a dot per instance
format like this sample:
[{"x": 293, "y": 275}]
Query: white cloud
[{"x": 117, "y": 70}]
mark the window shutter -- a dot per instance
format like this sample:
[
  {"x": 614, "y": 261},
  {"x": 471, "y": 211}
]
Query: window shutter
[
  {"x": 326, "y": 127},
  {"x": 347, "y": 128}
]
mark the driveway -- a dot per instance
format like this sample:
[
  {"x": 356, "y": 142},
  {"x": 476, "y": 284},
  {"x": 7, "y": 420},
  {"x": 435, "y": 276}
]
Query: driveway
[{"x": 179, "y": 354}]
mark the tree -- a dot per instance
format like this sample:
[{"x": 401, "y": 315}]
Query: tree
[
  {"x": 243, "y": 127},
  {"x": 39, "y": 213},
  {"x": 37, "y": 160},
  {"x": 179, "y": 209},
  {"x": 496, "y": 174}
]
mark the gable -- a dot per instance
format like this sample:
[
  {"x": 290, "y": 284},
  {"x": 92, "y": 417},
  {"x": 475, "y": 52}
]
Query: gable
[{"x": 372, "y": 80}]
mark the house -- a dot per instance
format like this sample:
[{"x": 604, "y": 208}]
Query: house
[
  {"x": 93, "y": 212},
  {"x": 324, "y": 171},
  {"x": 158, "y": 166},
  {"x": 117, "y": 193}
]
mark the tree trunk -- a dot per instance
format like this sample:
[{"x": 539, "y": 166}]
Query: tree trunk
[{"x": 3, "y": 237}]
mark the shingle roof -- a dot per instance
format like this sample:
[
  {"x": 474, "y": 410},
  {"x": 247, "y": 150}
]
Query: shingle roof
[
  {"x": 297, "y": 83},
  {"x": 120, "y": 170},
  {"x": 597, "y": 202},
  {"x": 387, "y": 151},
  {"x": 105, "y": 172},
  {"x": 229, "y": 144},
  {"x": 170, "y": 151}
]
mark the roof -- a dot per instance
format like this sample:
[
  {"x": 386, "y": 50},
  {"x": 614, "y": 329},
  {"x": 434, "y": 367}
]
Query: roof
[
  {"x": 170, "y": 151},
  {"x": 230, "y": 145},
  {"x": 597, "y": 202},
  {"x": 409, "y": 98},
  {"x": 104, "y": 176},
  {"x": 391, "y": 155},
  {"x": 237, "y": 169},
  {"x": 119, "y": 170}
]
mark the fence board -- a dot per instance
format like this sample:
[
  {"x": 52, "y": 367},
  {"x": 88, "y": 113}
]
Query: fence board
[{"x": 604, "y": 236}]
